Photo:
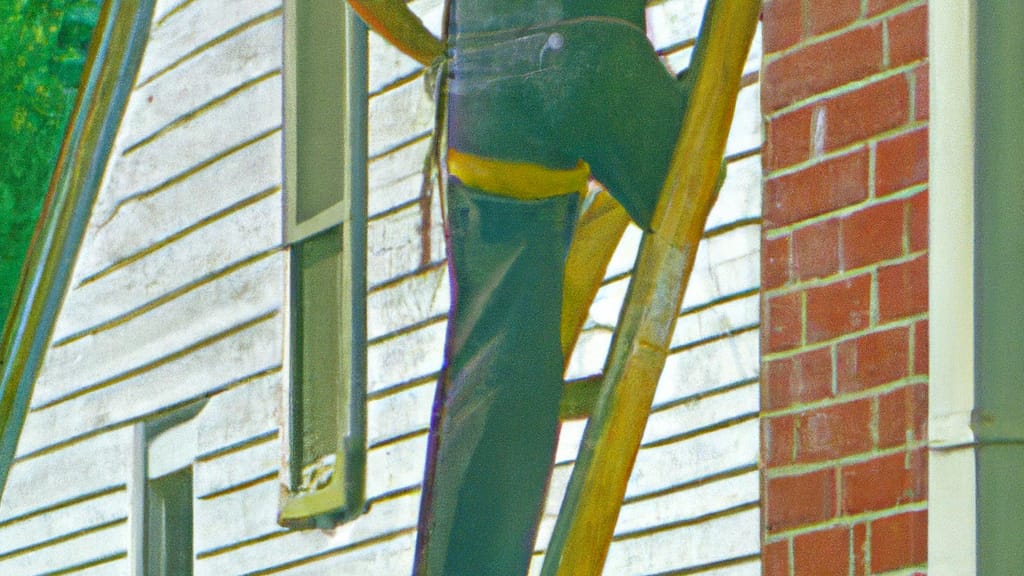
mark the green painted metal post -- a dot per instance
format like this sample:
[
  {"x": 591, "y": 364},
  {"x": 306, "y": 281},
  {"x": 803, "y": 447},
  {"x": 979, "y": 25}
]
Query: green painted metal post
[{"x": 999, "y": 286}]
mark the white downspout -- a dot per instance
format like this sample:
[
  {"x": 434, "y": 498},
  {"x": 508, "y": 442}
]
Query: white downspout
[{"x": 952, "y": 516}]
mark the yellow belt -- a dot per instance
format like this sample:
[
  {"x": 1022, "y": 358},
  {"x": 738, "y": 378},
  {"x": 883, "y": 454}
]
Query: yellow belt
[{"x": 519, "y": 180}]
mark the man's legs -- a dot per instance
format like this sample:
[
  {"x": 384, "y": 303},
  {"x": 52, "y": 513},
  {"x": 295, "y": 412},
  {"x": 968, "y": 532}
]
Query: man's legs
[{"x": 496, "y": 413}]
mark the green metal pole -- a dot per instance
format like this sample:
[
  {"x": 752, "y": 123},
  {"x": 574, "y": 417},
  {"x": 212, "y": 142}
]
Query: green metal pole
[{"x": 999, "y": 286}]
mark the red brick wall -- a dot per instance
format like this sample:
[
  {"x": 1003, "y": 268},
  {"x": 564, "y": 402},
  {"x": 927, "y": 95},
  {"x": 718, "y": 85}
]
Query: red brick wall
[{"x": 844, "y": 275}]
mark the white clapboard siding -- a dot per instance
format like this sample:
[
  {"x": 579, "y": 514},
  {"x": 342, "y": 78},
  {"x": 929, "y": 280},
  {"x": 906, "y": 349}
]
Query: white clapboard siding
[
  {"x": 85, "y": 549},
  {"x": 395, "y": 244},
  {"x": 200, "y": 24},
  {"x": 408, "y": 301},
  {"x": 222, "y": 471},
  {"x": 178, "y": 295},
  {"x": 406, "y": 357},
  {"x": 175, "y": 153},
  {"x": 139, "y": 227},
  {"x": 712, "y": 541},
  {"x": 250, "y": 410},
  {"x": 400, "y": 414},
  {"x": 244, "y": 514},
  {"x": 198, "y": 311},
  {"x": 95, "y": 464},
  {"x": 186, "y": 89},
  {"x": 63, "y": 522},
  {"x": 403, "y": 113},
  {"x": 384, "y": 519},
  {"x": 244, "y": 351},
  {"x": 396, "y": 178}
]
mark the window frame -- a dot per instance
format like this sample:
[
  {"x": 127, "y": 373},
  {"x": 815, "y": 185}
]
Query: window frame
[
  {"x": 163, "y": 447},
  {"x": 342, "y": 497}
]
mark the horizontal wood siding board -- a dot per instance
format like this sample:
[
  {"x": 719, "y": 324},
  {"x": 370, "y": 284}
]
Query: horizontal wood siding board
[
  {"x": 238, "y": 414},
  {"x": 401, "y": 414},
  {"x": 237, "y": 516},
  {"x": 720, "y": 538},
  {"x": 196, "y": 314},
  {"x": 383, "y": 518},
  {"x": 709, "y": 367},
  {"x": 60, "y": 523},
  {"x": 188, "y": 88},
  {"x": 397, "y": 178},
  {"x": 389, "y": 554},
  {"x": 196, "y": 26},
  {"x": 140, "y": 225},
  {"x": 184, "y": 149},
  {"x": 259, "y": 459},
  {"x": 396, "y": 306},
  {"x": 740, "y": 196},
  {"x": 399, "y": 116},
  {"x": 251, "y": 351},
  {"x": 86, "y": 549},
  {"x": 96, "y": 464},
  {"x": 405, "y": 358},
  {"x": 689, "y": 460}
]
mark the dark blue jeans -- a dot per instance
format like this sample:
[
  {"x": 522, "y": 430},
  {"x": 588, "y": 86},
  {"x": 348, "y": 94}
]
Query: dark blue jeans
[{"x": 592, "y": 89}]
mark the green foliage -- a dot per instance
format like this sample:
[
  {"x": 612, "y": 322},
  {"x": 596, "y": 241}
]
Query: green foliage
[{"x": 43, "y": 45}]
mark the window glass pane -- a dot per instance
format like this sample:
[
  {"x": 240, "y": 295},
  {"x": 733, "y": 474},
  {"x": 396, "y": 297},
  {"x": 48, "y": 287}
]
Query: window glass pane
[
  {"x": 319, "y": 413},
  {"x": 169, "y": 525},
  {"x": 320, "y": 106}
]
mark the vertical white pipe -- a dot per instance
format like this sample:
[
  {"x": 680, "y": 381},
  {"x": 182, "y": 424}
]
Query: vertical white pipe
[{"x": 952, "y": 524}]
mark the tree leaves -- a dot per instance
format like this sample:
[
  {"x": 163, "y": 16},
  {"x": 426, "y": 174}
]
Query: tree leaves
[{"x": 47, "y": 41}]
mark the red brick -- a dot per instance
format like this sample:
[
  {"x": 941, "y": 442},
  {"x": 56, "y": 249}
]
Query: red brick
[
  {"x": 812, "y": 372},
  {"x": 872, "y": 360},
  {"x": 917, "y": 225},
  {"x": 806, "y": 377},
  {"x": 792, "y": 501},
  {"x": 921, "y": 92},
  {"x": 902, "y": 416},
  {"x": 782, "y": 24},
  {"x": 873, "y": 234},
  {"x": 834, "y": 432},
  {"x": 884, "y": 482},
  {"x": 860, "y": 549},
  {"x": 822, "y": 66},
  {"x": 901, "y": 162},
  {"x": 784, "y": 322},
  {"x": 777, "y": 388},
  {"x": 838, "y": 308},
  {"x": 879, "y": 6},
  {"x": 787, "y": 139},
  {"x": 902, "y": 289},
  {"x": 816, "y": 250},
  {"x": 899, "y": 541},
  {"x": 775, "y": 558},
  {"x": 921, "y": 347},
  {"x": 815, "y": 190},
  {"x": 824, "y": 551},
  {"x": 777, "y": 440},
  {"x": 873, "y": 109},
  {"x": 908, "y": 36},
  {"x": 832, "y": 15},
  {"x": 775, "y": 263}
]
